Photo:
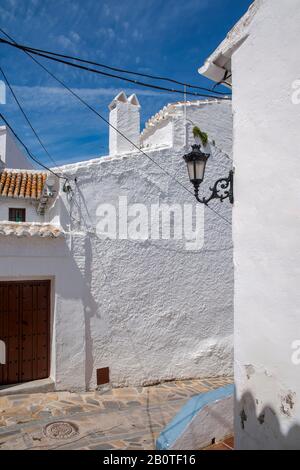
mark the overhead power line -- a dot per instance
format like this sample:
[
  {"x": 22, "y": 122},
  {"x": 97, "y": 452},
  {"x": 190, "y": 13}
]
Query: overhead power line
[
  {"x": 27, "y": 149},
  {"x": 115, "y": 69},
  {"x": 113, "y": 127},
  {"x": 26, "y": 117},
  {"x": 106, "y": 74}
]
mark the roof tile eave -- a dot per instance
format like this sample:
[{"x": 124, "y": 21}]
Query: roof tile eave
[
  {"x": 34, "y": 229},
  {"x": 26, "y": 184}
]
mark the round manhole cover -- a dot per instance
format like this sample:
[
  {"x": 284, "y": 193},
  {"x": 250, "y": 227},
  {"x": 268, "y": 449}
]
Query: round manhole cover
[{"x": 60, "y": 430}]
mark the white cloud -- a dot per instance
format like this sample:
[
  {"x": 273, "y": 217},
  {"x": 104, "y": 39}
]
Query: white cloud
[
  {"x": 106, "y": 9},
  {"x": 75, "y": 36},
  {"x": 64, "y": 41},
  {"x": 107, "y": 33}
]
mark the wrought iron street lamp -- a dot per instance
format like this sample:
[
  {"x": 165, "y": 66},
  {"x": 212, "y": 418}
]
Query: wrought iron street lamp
[{"x": 196, "y": 162}]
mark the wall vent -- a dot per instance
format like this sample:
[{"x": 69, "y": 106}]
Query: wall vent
[{"x": 102, "y": 376}]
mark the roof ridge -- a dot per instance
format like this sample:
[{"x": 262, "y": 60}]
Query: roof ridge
[{"x": 169, "y": 111}]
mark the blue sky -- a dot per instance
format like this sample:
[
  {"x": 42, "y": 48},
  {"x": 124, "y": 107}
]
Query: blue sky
[{"x": 165, "y": 37}]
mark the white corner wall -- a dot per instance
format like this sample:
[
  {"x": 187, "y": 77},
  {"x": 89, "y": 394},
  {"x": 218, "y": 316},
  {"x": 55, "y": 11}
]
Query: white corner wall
[
  {"x": 149, "y": 310},
  {"x": 155, "y": 310},
  {"x": 266, "y": 230},
  {"x": 10, "y": 153},
  {"x": 46, "y": 258}
]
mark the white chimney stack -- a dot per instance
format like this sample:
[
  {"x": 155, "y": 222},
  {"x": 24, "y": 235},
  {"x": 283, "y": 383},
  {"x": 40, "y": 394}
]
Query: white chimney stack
[{"x": 125, "y": 117}]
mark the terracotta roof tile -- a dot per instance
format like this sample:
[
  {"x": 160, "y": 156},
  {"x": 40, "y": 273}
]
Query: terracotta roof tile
[{"x": 22, "y": 183}]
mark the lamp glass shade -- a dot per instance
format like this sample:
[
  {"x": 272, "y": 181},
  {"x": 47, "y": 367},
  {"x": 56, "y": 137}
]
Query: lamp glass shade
[{"x": 196, "y": 169}]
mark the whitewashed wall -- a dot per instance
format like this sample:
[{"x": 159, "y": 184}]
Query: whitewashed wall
[
  {"x": 266, "y": 229},
  {"x": 149, "y": 310},
  {"x": 153, "y": 310},
  {"x": 9, "y": 202},
  {"x": 213, "y": 117},
  {"x": 10, "y": 154},
  {"x": 33, "y": 258}
]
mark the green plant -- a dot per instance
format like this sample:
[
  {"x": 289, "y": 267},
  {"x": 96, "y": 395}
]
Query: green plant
[{"x": 202, "y": 135}]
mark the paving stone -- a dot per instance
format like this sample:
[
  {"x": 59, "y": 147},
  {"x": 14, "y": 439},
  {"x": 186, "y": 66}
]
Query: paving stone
[
  {"x": 75, "y": 445},
  {"x": 102, "y": 447},
  {"x": 34, "y": 408},
  {"x": 18, "y": 397},
  {"x": 119, "y": 444},
  {"x": 92, "y": 401},
  {"x": 56, "y": 412},
  {"x": 44, "y": 414},
  {"x": 74, "y": 409},
  {"x": 112, "y": 405},
  {"x": 122, "y": 418},
  {"x": 133, "y": 403},
  {"x": 5, "y": 434}
]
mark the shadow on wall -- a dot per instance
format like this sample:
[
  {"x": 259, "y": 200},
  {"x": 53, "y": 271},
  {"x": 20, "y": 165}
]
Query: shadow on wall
[
  {"x": 80, "y": 219},
  {"x": 90, "y": 311},
  {"x": 261, "y": 430}
]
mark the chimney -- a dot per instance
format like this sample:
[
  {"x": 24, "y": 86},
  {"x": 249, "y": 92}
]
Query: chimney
[{"x": 125, "y": 117}]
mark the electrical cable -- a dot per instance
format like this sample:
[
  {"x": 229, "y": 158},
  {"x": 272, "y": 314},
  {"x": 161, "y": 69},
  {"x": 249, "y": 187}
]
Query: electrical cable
[
  {"x": 27, "y": 118},
  {"x": 115, "y": 69},
  {"x": 27, "y": 149},
  {"x": 92, "y": 70},
  {"x": 119, "y": 132}
]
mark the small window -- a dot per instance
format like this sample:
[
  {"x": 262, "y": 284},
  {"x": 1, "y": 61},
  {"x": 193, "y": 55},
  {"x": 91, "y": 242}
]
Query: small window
[{"x": 16, "y": 215}]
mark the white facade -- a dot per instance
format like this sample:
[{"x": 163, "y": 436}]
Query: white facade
[
  {"x": 266, "y": 222},
  {"x": 124, "y": 117},
  {"x": 29, "y": 206},
  {"x": 149, "y": 309},
  {"x": 10, "y": 154}
]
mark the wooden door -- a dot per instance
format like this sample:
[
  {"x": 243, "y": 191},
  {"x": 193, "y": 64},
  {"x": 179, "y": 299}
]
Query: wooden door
[{"x": 25, "y": 330}]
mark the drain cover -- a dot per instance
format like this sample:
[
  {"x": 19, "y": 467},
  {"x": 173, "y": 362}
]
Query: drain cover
[{"x": 60, "y": 430}]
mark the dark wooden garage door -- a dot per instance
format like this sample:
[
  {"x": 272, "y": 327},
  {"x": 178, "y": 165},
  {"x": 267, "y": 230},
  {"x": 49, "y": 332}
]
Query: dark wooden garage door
[{"x": 25, "y": 330}]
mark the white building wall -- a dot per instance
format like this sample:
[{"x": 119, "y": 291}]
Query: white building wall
[
  {"x": 10, "y": 154},
  {"x": 157, "y": 311},
  {"x": 266, "y": 230},
  {"x": 162, "y": 135},
  {"x": 169, "y": 129},
  {"x": 31, "y": 214},
  {"x": 33, "y": 258},
  {"x": 149, "y": 310}
]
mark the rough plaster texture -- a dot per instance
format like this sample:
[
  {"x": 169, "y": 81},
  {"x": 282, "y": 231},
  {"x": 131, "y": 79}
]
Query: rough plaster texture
[
  {"x": 149, "y": 310},
  {"x": 266, "y": 229}
]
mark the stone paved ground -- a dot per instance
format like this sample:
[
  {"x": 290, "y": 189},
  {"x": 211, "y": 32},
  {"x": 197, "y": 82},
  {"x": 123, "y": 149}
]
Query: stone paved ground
[
  {"x": 121, "y": 418},
  {"x": 226, "y": 444}
]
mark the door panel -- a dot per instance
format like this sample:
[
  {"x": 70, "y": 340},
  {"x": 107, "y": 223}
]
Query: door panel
[{"x": 25, "y": 329}]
